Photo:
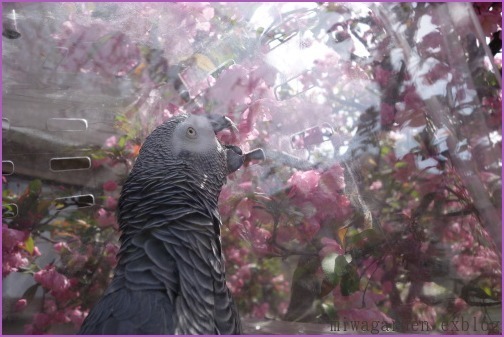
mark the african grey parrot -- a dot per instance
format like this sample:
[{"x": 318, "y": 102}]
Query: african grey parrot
[{"x": 170, "y": 275}]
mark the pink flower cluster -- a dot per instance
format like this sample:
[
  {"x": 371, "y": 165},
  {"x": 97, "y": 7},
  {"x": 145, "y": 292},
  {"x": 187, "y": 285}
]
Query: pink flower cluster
[
  {"x": 489, "y": 15},
  {"x": 42, "y": 322},
  {"x": 320, "y": 197},
  {"x": 87, "y": 48},
  {"x": 56, "y": 283},
  {"x": 14, "y": 256},
  {"x": 55, "y": 308}
]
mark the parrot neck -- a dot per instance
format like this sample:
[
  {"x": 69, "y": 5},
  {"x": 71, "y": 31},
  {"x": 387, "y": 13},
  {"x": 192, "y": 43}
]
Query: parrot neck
[{"x": 150, "y": 200}]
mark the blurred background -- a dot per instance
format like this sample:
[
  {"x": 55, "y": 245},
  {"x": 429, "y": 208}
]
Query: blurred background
[{"x": 379, "y": 201}]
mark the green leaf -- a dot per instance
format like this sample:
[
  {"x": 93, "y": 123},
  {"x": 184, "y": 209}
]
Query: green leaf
[
  {"x": 487, "y": 291},
  {"x": 340, "y": 265},
  {"x": 349, "y": 281},
  {"x": 385, "y": 150},
  {"x": 8, "y": 195},
  {"x": 329, "y": 309},
  {"x": 35, "y": 187},
  {"x": 334, "y": 266},
  {"x": 401, "y": 164},
  {"x": 329, "y": 268},
  {"x": 122, "y": 141},
  {"x": 369, "y": 235},
  {"x": 29, "y": 245},
  {"x": 98, "y": 155}
]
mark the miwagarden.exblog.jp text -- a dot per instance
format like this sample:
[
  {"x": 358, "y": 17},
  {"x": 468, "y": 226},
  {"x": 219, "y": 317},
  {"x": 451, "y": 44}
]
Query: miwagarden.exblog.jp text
[{"x": 455, "y": 325}]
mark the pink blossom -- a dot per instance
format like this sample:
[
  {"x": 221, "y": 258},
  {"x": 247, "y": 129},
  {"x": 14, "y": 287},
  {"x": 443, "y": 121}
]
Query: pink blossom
[
  {"x": 387, "y": 114},
  {"x": 303, "y": 183},
  {"x": 260, "y": 310},
  {"x": 76, "y": 316},
  {"x": 387, "y": 287},
  {"x": 230, "y": 88},
  {"x": 97, "y": 162},
  {"x": 233, "y": 255},
  {"x": 41, "y": 321},
  {"x": 234, "y": 284},
  {"x": 110, "y": 186},
  {"x": 116, "y": 55},
  {"x": 111, "y": 251},
  {"x": 61, "y": 246},
  {"x": 110, "y": 142},
  {"x": 21, "y": 304},
  {"x": 259, "y": 215},
  {"x": 244, "y": 208},
  {"x": 330, "y": 246},
  {"x": 76, "y": 56},
  {"x": 224, "y": 205},
  {"x": 36, "y": 251},
  {"x": 498, "y": 57},
  {"x": 280, "y": 284},
  {"x": 483, "y": 261},
  {"x": 431, "y": 44},
  {"x": 50, "y": 279},
  {"x": 382, "y": 76},
  {"x": 308, "y": 229},
  {"x": 286, "y": 235},
  {"x": 108, "y": 54},
  {"x": 30, "y": 329},
  {"x": 239, "y": 278},
  {"x": 248, "y": 121},
  {"x": 330, "y": 205},
  {"x": 403, "y": 173},
  {"x": 246, "y": 186},
  {"x": 50, "y": 306},
  {"x": 110, "y": 203},
  {"x": 244, "y": 272},
  {"x": 332, "y": 180},
  {"x": 77, "y": 261},
  {"x": 258, "y": 237},
  {"x": 282, "y": 307},
  {"x": 12, "y": 238},
  {"x": 411, "y": 98},
  {"x": 376, "y": 185},
  {"x": 490, "y": 20},
  {"x": 60, "y": 317},
  {"x": 317, "y": 194},
  {"x": 459, "y": 305},
  {"x": 424, "y": 312},
  {"x": 437, "y": 72},
  {"x": 11, "y": 262},
  {"x": 105, "y": 219}
]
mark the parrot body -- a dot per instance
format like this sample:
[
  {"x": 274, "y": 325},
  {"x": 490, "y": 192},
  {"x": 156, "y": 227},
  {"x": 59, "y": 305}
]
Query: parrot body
[{"x": 170, "y": 276}]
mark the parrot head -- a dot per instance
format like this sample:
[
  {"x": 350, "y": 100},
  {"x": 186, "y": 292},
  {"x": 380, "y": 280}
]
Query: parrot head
[
  {"x": 192, "y": 139},
  {"x": 180, "y": 169},
  {"x": 187, "y": 144}
]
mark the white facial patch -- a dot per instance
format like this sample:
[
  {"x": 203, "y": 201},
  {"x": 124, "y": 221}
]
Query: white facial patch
[{"x": 185, "y": 140}]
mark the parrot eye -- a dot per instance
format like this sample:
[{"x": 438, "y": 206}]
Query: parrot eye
[{"x": 191, "y": 132}]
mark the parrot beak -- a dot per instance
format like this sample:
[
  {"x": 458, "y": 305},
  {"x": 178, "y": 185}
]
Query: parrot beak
[
  {"x": 236, "y": 158},
  {"x": 220, "y": 123}
]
